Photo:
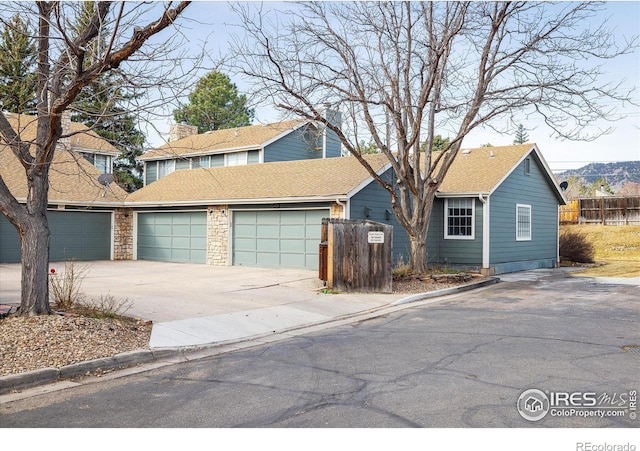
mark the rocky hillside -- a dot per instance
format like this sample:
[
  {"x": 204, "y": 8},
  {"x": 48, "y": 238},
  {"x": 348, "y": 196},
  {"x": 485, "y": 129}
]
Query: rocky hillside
[{"x": 616, "y": 174}]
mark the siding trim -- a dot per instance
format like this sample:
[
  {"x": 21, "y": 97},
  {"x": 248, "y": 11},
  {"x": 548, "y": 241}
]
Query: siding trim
[
  {"x": 367, "y": 181},
  {"x": 486, "y": 232}
]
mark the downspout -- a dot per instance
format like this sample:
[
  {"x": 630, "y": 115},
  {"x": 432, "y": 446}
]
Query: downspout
[
  {"x": 344, "y": 208},
  {"x": 485, "y": 233}
]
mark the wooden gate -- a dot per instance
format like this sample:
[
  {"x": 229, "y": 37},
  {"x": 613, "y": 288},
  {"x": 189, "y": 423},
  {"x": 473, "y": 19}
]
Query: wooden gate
[{"x": 358, "y": 255}]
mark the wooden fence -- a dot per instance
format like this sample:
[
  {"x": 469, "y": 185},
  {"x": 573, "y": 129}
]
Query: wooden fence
[
  {"x": 358, "y": 255},
  {"x": 618, "y": 210}
]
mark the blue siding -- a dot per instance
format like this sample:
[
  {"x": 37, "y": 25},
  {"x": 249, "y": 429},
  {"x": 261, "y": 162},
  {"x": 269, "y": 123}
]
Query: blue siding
[
  {"x": 297, "y": 145},
  {"x": 332, "y": 142},
  {"x": 372, "y": 203},
  {"x": 528, "y": 189},
  {"x": 453, "y": 251}
]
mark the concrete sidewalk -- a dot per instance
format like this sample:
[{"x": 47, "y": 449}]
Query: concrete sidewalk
[{"x": 195, "y": 307}]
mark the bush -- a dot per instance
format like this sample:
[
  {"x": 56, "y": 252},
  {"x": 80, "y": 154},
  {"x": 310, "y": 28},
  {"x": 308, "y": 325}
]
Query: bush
[
  {"x": 575, "y": 247},
  {"x": 64, "y": 287},
  {"x": 108, "y": 306}
]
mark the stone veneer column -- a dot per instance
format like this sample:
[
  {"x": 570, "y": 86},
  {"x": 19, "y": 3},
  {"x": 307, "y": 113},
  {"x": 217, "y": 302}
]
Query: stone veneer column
[
  {"x": 123, "y": 234},
  {"x": 218, "y": 235}
]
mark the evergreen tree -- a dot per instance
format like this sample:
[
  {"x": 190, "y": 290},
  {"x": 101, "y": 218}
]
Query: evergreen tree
[
  {"x": 101, "y": 106},
  {"x": 521, "y": 135},
  {"x": 17, "y": 67},
  {"x": 215, "y": 104}
]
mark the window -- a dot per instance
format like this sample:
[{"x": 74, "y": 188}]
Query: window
[
  {"x": 235, "y": 159},
  {"x": 527, "y": 166},
  {"x": 459, "y": 219},
  {"x": 101, "y": 162},
  {"x": 523, "y": 222},
  {"x": 166, "y": 167},
  {"x": 203, "y": 162}
]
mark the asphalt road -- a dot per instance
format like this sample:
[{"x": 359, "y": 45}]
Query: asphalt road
[{"x": 462, "y": 362}]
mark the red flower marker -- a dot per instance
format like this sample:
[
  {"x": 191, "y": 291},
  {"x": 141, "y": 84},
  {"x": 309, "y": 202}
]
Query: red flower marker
[{"x": 53, "y": 271}]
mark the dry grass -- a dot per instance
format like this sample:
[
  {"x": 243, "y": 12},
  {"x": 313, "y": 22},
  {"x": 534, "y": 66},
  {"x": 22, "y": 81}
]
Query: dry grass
[{"x": 617, "y": 246}]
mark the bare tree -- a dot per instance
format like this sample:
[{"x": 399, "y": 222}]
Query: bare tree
[
  {"x": 64, "y": 68},
  {"x": 402, "y": 71}
]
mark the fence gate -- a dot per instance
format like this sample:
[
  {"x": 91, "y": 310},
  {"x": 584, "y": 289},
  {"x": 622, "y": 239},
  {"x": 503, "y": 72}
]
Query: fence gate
[{"x": 358, "y": 255}]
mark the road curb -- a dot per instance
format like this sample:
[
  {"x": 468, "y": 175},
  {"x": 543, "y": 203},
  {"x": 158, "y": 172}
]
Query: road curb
[{"x": 30, "y": 379}]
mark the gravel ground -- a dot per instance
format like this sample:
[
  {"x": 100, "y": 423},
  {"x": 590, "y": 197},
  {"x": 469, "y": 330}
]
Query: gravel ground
[{"x": 33, "y": 343}]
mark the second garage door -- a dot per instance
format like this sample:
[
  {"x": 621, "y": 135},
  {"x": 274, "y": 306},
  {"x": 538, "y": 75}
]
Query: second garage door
[
  {"x": 179, "y": 237},
  {"x": 283, "y": 239}
]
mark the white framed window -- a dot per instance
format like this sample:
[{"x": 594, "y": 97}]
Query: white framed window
[
  {"x": 203, "y": 161},
  {"x": 235, "y": 159},
  {"x": 523, "y": 222},
  {"x": 459, "y": 219},
  {"x": 527, "y": 166},
  {"x": 166, "y": 167},
  {"x": 104, "y": 163}
]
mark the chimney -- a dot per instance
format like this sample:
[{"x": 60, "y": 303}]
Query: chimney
[
  {"x": 179, "y": 131},
  {"x": 65, "y": 121},
  {"x": 331, "y": 145}
]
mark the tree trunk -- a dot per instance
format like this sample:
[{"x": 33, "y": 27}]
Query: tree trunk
[
  {"x": 34, "y": 240},
  {"x": 418, "y": 254}
]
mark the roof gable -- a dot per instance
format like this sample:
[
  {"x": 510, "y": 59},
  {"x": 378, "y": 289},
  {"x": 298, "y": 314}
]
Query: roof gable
[
  {"x": 218, "y": 141},
  {"x": 72, "y": 179},
  {"x": 482, "y": 170}
]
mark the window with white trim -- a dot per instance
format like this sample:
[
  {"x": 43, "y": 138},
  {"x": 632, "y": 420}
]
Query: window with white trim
[
  {"x": 166, "y": 167},
  {"x": 459, "y": 219},
  {"x": 235, "y": 159},
  {"x": 523, "y": 222},
  {"x": 104, "y": 163}
]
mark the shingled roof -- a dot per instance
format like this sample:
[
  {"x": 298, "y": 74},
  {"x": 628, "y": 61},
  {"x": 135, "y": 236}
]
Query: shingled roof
[
  {"x": 293, "y": 180},
  {"x": 480, "y": 170},
  {"x": 249, "y": 137},
  {"x": 72, "y": 179}
]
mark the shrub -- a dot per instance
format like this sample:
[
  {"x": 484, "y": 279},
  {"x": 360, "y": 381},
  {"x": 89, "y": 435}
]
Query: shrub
[
  {"x": 64, "y": 287},
  {"x": 575, "y": 247},
  {"x": 401, "y": 269},
  {"x": 108, "y": 306}
]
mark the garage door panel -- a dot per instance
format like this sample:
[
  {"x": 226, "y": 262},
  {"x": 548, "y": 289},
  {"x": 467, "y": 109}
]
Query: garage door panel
[
  {"x": 172, "y": 236},
  {"x": 268, "y": 244},
  {"x": 284, "y": 238}
]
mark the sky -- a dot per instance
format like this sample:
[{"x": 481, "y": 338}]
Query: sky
[{"x": 623, "y": 144}]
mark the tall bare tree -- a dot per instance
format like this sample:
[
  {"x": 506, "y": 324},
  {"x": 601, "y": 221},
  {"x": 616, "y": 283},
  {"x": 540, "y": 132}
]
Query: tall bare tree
[
  {"x": 63, "y": 70},
  {"x": 402, "y": 71}
]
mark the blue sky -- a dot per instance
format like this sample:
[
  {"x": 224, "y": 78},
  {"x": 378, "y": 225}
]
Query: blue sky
[{"x": 621, "y": 145}]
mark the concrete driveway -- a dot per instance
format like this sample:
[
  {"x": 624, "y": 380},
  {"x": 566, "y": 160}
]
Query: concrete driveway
[{"x": 163, "y": 292}]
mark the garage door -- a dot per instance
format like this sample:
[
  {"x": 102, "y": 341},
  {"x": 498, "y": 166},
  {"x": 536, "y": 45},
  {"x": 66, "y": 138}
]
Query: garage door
[
  {"x": 284, "y": 239},
  {"x": 75, "y": 235},
  {"x": 173, "y": 237}
]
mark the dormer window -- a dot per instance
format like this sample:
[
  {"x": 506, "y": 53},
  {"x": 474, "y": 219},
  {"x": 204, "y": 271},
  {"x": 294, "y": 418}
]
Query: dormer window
[{"x": 104, "y": 163}]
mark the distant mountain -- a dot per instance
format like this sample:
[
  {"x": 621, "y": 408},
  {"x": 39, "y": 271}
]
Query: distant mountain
[{"x": 616, "y": 174}]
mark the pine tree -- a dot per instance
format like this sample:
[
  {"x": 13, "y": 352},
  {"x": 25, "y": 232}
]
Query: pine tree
[
  {"x": 17, "y": 67},
  {"x": 101, "y": 106},
  {"x": 215, "y": 104},
  {"x": 521, "y": 135}
]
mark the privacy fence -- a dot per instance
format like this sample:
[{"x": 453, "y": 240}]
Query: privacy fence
[
  {"x": 618, "y": 210},
  {"x": 356, "y": 255}
]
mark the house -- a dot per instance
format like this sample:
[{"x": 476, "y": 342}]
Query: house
[
  {"x": 496, "y": 211},
  {"x": 256, "y": 196},
  {"x": 258, "y": 215},
  {"x": 253, "y": 144},
  {"x": 82, "y": 210}
]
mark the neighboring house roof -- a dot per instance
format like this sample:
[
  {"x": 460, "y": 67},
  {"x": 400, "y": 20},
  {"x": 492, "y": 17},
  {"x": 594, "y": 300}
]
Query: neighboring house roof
[
  {"x": 307, "y": 180},
  {"x": 72, "y": 179},
  {"x": 482, "y": 170},
  {"x": 218, "y": 141}
]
